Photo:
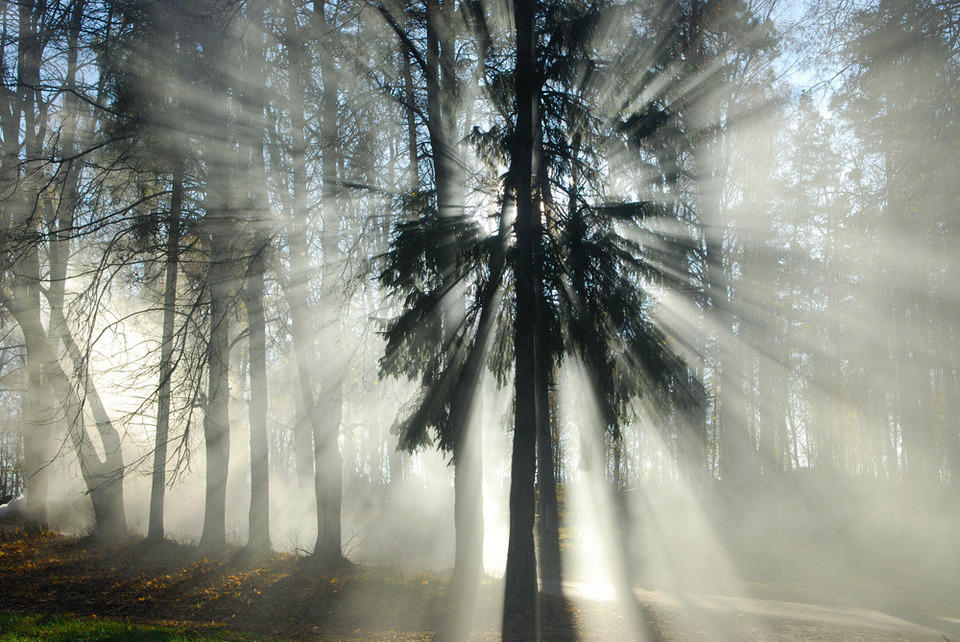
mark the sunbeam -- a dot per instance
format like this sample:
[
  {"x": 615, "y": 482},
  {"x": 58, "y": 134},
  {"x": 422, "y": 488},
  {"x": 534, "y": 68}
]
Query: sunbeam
[{"x": 469, "y": 319}]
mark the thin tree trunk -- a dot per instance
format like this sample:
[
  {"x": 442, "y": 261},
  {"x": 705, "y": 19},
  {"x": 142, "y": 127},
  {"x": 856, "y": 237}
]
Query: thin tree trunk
[
  {"x": 157, "y": 491},
  {"x": 221, "y": 53},
  {"x": 327, "y": 459},
  {"x": 468, "y": 521},
  {"x": 254, "y": 97},
  {"x": 216, "y": 426},
  {"x": 216, "y": 421},
  {"x": 443, "y": 107},
  {"x": 26, "y": 270},
  {"x": 410, "y": 113},
  {"x": 397, "y": 458},
  {"x": 259, "y": 537},
  {"x": 953, "y": 421},
  {"x": 467, "y": 452},
  {"x": 300, "y": 269}
]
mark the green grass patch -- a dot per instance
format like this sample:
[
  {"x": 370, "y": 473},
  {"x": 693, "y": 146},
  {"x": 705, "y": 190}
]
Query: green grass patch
[{"x": 15, "y": 626}]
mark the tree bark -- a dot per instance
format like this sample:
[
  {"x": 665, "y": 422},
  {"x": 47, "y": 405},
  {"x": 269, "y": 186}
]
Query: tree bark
[
  {"x": 259, "y": 237},
  {"x": 104, "y": 478},
  {"x": 259, "y": 537},
  {"x": 520, "y": 582},
  {"x": 158, "y": 489},
  {"x": 26, "y": 268},
  {"x": 548, "y": 522},
  {"x": 300, "y": 268},
  {"x": 327, "y": 459},
  {"x": 216, "y": 420},
  {"x": 467, "y": 453}
]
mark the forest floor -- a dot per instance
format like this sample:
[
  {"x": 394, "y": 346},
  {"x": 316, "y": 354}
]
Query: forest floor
[{"x": 231, "y": 596}]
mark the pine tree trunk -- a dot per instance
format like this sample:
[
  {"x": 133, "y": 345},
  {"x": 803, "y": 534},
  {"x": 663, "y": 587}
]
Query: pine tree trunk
[
  {"x": 953, "y": 417},
  {"x": 221, "y": 160},
  {"x": 468, "y": 447},
  {"x": 329, "y": 478},
  {"x": 520, "y": 581},
  {"x": 548, "y": 524},
  {"x": 443, "y": 113}
]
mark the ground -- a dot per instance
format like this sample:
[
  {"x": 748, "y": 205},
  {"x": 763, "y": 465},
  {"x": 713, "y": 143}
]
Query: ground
[{"x": 49, "y": 583}]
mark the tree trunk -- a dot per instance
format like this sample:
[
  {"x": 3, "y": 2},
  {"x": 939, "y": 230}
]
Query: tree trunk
[
  {"x": 36, "y": 440},
  {"x": 20, "y": 215},
  {"x": 108, "y": 509},
  {"x": 443, "y": 112},
  {"x": 520, "y": 582},
  {"x": 300, "y": 269},
  {"x": 327, "y": 460},
  {"x": 548, "y": 523},
  {"x": 157, "y": 491},
  {"x": 410, "y": 114},
  {"x": 104, "y": 478},
  {"x": 953, "y": 419},
  {"x": 259, "y": 537},
  {"x": 216, "y": 420},
  {"x": 468, "y": 525},
  {"x": 258, "y": 241},
  {"x": 467, "y": 454}
]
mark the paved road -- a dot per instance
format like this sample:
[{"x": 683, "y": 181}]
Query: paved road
[{"x": 699, "y": 605}]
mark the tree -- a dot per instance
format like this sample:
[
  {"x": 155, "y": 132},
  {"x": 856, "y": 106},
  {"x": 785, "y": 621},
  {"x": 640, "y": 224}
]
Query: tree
[
  {"x": 41, "y": 226},
  {"x": 446, "y": 92},
  {"x": 541, "y": 321},
  {"x": 329, "y": 465},
  {"x": 898, "y": 102},
  {"x": 259, "y": 242},
  {"x": 218, "y": 41}
]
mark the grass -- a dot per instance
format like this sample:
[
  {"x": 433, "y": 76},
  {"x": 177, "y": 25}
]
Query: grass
[{"x": 16, "y": 626}]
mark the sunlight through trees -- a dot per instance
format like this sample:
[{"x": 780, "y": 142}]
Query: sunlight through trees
[{"x": 596, "y": 288}]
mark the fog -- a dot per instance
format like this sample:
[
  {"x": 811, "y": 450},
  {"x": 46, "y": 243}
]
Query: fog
[{"x": 652, "y": 305}]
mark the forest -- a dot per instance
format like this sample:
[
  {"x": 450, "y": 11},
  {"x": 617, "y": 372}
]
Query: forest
[{"x": 582, "y": 311}]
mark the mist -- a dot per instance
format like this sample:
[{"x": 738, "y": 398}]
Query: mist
[{"x": 612, "y": 320}]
